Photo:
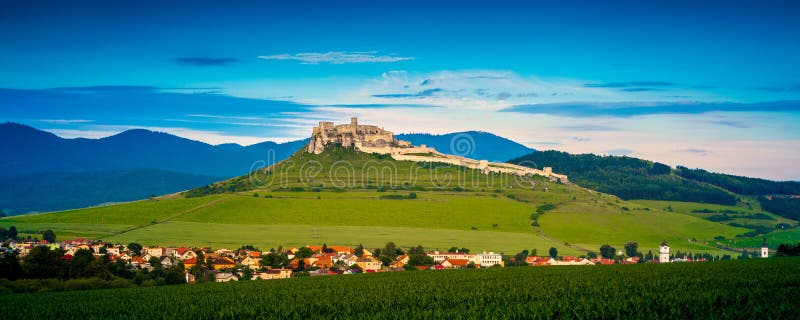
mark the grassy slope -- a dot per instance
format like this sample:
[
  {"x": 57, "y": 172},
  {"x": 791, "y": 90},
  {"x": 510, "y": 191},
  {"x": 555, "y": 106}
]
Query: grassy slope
[{"x": 438, "y": 218}]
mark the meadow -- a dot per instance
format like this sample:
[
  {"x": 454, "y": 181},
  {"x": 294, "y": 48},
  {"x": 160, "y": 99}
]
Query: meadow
[
  {"x": 347, "y": 198},
  {"x": 744, "y": 289}
]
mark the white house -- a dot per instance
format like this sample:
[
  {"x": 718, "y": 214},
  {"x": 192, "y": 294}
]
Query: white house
[
  {"x": 488, "y": 259},
  {"x": 764, "y": 249},
  {"x": 440, "y": 257},
  {"x": 225, "y": 277},
  {"x": 663, "y": 252}
]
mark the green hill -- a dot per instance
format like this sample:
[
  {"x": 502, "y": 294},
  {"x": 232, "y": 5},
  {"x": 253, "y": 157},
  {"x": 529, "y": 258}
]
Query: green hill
[
  {"x": 628, "y": 178},
  {"x": 345, "y": 197}
]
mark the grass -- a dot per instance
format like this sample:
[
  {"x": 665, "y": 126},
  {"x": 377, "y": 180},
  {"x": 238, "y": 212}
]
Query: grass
[
  {"x": 774, "y": 239},
  {"x": 271, "y": 236},
  {"x": 338, "y": 194}
]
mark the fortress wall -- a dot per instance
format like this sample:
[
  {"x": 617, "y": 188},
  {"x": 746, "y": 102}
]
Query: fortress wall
[
  {"x": 480, "y": 165},
  {"x": 414, "y": 150},
  {"x": 405, "y": 157}
]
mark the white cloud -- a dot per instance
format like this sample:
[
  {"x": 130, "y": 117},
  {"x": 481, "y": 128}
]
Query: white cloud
[
  {"x": 64, "y": 121},
  {"x": 335, "y": 57}
]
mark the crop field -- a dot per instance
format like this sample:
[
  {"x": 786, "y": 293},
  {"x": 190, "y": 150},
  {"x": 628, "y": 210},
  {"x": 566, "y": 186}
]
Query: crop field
[{"x": 745, "y": 289}]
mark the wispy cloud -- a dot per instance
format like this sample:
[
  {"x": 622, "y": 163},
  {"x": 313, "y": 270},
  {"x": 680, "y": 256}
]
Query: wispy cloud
[
  {"x": 731, "y": 123},
  {"x": 633, "y": 86},
  {"x": 630, "y": 84},
  {"x": 701, "y": 152},
  {"x": 628, "y": 109},
  {"x": 336, "y": 57},
  {"x": 589, "y": 127},
  {"x": 420, "y": 94},
  {"x": 64, "y": 121},
  {"x": 204, "y": 61},
  {"x": 382, "y": 105},
  {"x": 787, "y": 88}
]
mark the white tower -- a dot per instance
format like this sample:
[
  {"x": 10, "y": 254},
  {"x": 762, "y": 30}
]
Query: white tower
[
  {"x": 764, "y": 249},
  {"x": 663, "y": 252}
]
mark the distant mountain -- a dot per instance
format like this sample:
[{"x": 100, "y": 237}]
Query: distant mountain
[
  {"x": 41, "y": 171},
  {"x": 27, "y": 150},
  {"x": 471, "y": 144},
  {"x": 65, "y": 190}
]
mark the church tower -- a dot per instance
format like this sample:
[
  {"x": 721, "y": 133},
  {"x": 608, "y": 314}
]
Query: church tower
[
  {"x": 764, "y": 249},
  {"x": 663, "y": 252}
]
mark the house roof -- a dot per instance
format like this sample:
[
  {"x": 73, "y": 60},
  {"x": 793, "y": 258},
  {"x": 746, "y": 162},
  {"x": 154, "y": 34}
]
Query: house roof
[
  {"x": 458, "y": 262},
  {"x": 190, "y": 261}
]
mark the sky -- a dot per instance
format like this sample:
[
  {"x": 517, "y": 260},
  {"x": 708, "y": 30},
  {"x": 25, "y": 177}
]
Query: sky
[{"x": 714, "y": 85}]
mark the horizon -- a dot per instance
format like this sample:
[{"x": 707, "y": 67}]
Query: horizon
[
  {"x": 401, "y": 133},
  {"x": 705, "y": 85}
]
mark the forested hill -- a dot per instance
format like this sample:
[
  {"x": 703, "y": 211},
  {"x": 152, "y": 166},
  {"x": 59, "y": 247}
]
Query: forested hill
[
  {"x": 741, "y": 185},
  {"x": 632, "y": 178},
  {"x": 627, "y": 178}
]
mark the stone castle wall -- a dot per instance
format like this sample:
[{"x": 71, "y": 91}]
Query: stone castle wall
[{"x": 373, "y": 139}]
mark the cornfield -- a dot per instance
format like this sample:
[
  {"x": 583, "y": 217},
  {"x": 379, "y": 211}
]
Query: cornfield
[{"x": 749, "y": 289}]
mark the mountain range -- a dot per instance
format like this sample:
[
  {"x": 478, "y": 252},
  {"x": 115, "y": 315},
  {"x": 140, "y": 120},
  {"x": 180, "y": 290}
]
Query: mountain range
[{"x": 45, "y": 163}]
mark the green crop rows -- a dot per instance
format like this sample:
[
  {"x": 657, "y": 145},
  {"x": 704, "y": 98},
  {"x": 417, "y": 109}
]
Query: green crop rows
[{"x": 745, "y": 289}]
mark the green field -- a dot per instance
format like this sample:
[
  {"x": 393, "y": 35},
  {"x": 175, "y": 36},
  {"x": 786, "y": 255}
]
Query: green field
[
  {"x": 339, "y": 197},
  {"x": 745, "y": 289}
]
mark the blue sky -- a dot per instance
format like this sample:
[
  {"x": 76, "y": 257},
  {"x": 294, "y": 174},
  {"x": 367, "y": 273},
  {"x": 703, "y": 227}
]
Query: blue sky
[{"x": 712, "y": 84}]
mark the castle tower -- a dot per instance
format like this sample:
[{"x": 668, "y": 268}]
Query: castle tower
[
  {"x": 354, "y": 123},
  {"x": 663, "y": 252},
  {"x": 764, "y": 249}
]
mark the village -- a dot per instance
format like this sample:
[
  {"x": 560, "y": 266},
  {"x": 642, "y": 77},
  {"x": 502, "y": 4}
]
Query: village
[{"x": 249, "y": 263}]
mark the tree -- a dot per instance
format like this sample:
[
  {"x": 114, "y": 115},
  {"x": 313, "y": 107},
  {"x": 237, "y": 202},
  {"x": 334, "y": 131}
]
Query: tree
[
  {"x": 49, "y": 236},
  {"x": 274, "y": 260},
  {"x": 12, "y": 233},
  {"x": 420, "y": 260},
  {"x": 788, "y": 250},
  {"x": 534, "y": 252},
  {"x": 247, "y": 274},
  {"x": 452, "y": 249},
  {"x": 416, "y": 250},
  {"x": 412, "y": 195},
  {"x": 155, "y": 263},
  {"x": 591, "y": 255},
  {"x": 3, "y": 234},
  {"x": 304, "y": 252},
  {"x": 389, "y": 250},
  {"x": 553, "y": 252},
  {"x": 607, "y": 251},
  {"x": 649, "y": 256},
  {"x": 632, "y": 249},
  {"x": 9, "y": 266},
  {"x": 135, "y": 248},
  {"x": 79, "y": 265},
  {"x": 43, "y": 263},
  {"x": 359, "y": 250}
]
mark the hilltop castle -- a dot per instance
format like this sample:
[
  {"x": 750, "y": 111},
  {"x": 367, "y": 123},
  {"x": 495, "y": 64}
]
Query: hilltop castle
[
  {"x": 373, "y": 139},
  {"x": 352, "y": 135}
]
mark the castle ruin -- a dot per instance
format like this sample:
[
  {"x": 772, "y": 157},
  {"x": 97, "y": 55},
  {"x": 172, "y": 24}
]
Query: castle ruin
[
  {"x": 373, "y": 139},
  {"x": 352, "y": 135}
]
